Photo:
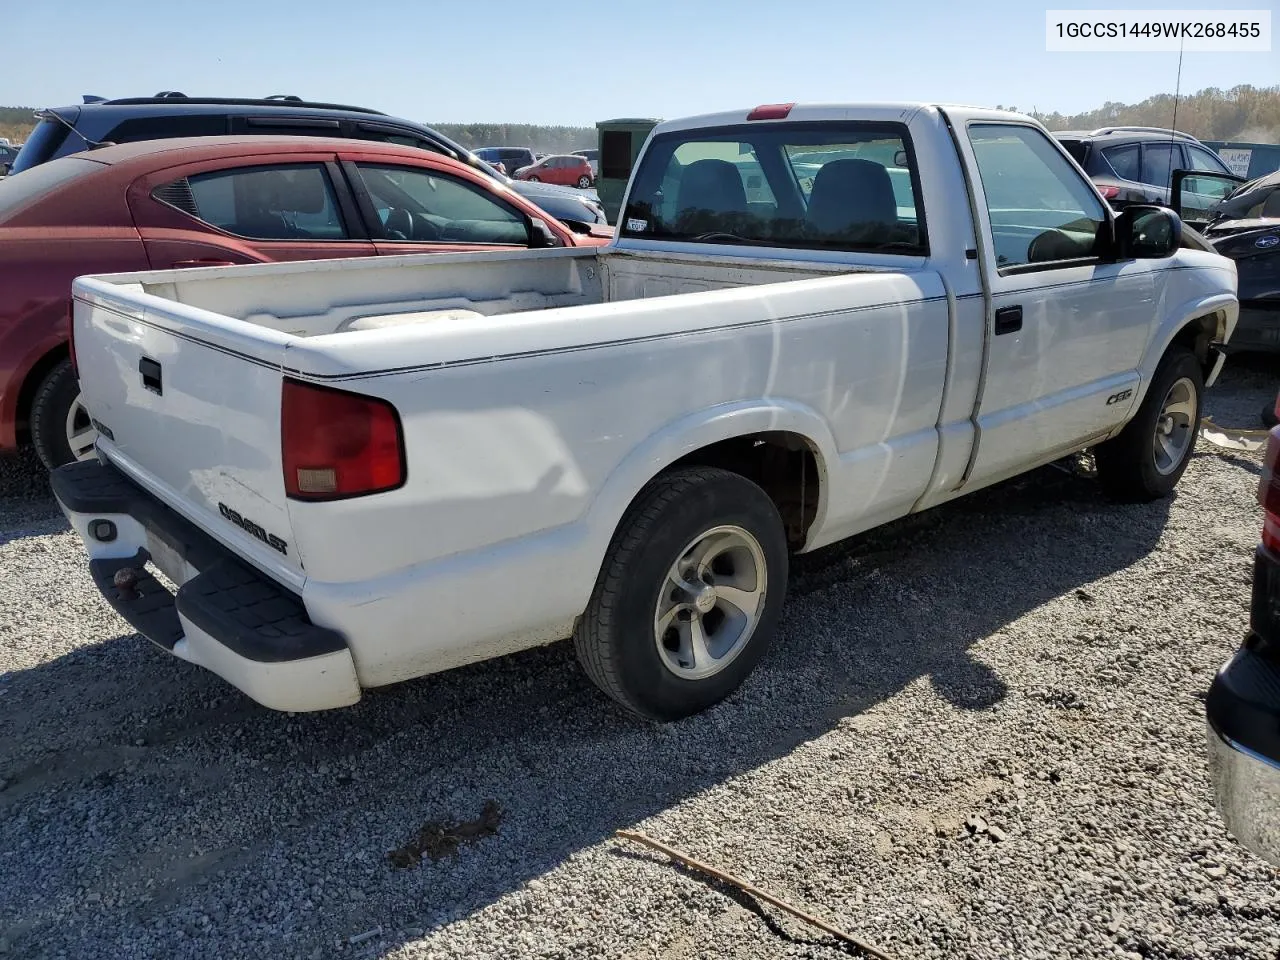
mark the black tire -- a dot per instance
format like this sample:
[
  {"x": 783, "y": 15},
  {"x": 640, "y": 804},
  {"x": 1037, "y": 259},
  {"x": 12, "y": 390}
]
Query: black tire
[
  {"x": 1127, "y": 467},
  {"x": 616, "y": 638},
  {"x": 49, "y": 411},
  {"x": 584, "y": 182}
]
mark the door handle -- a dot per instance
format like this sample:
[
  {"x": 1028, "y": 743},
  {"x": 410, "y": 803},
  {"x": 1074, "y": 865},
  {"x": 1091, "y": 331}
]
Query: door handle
[
  {"x": 180, "y": 264},
  {"x": 1008, "y": 320},
  {"x": 150, "y": 371}
]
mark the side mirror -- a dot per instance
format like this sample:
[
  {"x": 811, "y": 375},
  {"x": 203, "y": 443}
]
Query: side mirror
[
  {"x": 540, "y": 235},
  {"x": 1147, "y": 232}
]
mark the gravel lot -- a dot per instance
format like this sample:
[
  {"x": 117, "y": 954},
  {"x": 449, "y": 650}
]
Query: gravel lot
[{"x": 979, "y": 734}]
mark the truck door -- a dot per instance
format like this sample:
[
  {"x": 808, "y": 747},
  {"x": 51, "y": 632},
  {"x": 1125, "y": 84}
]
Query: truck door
[{"x": 1066, "y": 325}]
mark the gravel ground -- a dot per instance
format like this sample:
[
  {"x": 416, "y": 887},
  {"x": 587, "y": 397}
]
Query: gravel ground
[{"x": 979, "y": 734}]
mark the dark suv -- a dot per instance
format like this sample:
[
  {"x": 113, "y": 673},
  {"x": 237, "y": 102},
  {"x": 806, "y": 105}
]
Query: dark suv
[
  {"x": 511, "y": 158},
  {"x": 99, "y": 121},
  {"x": 1136, "y": 164}
]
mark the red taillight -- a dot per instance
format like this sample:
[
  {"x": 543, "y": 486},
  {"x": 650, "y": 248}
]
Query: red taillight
[
  {"x": 1109, "y": 193},
  {"x": 1269, "y": 492},
  {"x": 771, "y": 111},
  {"x": 71, "y": 335},
  {"x": 336, "y": 444}
]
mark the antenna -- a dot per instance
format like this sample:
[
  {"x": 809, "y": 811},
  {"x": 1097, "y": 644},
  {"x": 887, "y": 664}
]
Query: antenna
[{"x": 1177, "y": 94}]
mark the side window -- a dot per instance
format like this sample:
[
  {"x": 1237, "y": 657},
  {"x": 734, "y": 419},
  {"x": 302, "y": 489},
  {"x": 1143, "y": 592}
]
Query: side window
[
  {"x": 1157, "y": 163},
  {"x": 1124, "y": 161},
  {"x": 1041, "y": 210},
  {"x": 1203, "y": 160},
  {"x": 287, "y": 202},
  {"x": 413, "y": 204}
]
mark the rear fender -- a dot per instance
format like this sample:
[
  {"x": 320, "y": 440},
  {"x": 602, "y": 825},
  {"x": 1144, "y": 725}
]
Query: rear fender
[{"x": 689, "y": 434}]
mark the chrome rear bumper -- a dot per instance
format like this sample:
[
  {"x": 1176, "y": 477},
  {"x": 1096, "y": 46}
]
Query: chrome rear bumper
[
  {"x": 1246, "y": 789},
  {"x": 1242, "y": 731}
]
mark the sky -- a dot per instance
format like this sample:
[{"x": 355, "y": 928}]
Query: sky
[{"x": 558, "y": 62}]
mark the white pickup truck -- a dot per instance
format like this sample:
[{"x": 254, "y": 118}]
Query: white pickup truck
[{"x": 813, "y": 320}]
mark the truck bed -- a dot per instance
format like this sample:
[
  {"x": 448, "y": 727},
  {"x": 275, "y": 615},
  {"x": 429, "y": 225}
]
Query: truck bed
[{"x": 317, "y": 298}]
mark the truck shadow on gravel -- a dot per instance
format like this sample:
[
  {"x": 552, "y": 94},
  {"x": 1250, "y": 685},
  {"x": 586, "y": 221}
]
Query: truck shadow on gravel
[{"x": 201, "y": 804}]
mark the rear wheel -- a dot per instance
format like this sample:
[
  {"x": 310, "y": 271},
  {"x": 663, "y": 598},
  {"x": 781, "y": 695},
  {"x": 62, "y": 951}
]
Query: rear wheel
[
  {"x": 1146, "y": 459},
  {"x": 689, "y": 595},
  {"x": 584, "y": 182},
  {"x": 61, "y": 430}
]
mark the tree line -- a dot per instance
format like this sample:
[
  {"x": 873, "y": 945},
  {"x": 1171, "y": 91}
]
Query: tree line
[
  {"x": 1242, "y": 113},
  {"x": 543, "y": 139}
]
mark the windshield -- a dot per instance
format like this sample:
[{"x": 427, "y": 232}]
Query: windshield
[{"x": 839, "y": 186}]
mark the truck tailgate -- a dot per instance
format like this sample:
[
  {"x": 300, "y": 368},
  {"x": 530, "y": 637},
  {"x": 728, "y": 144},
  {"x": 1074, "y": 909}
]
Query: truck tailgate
[{"x": 188, "y": 404}]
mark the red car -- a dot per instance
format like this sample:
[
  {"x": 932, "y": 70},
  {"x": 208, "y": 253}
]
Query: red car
[
  {"x": 566, "y": 170},
  {"x": 212, "y": 201}
]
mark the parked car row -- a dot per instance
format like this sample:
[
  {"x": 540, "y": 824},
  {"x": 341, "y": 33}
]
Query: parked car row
[
  {"x": 570, "y": 170},
  {"x": 281, "y": 187}
]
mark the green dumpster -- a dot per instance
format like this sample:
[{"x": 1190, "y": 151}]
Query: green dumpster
[{"x": 620, "y": 142}]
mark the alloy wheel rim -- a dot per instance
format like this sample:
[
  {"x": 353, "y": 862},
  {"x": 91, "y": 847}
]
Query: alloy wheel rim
[
  {"x": 710, "y": 603},
  {"x": 1173, "y": 435},
  {"x": 82, "y": 436}
]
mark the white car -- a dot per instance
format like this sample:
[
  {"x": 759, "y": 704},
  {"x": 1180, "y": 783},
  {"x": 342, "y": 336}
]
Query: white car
[{"x": 358, "y": 472}]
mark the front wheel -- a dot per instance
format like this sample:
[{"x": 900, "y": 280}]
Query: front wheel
[
  {"x": 1145, "y": 460},
  {"x": 584, "y": 182},
  {"x": 689, "y": 595},
  {"x": 535, "y": 179},
  {"x": 61, "y": 430}
]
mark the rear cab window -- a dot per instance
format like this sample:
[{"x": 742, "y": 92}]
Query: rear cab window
[{"x": 821, "y": 185}]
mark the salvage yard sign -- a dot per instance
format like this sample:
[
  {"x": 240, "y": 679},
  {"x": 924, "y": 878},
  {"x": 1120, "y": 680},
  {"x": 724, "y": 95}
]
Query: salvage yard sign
[{"x": 1236, "y": 159}]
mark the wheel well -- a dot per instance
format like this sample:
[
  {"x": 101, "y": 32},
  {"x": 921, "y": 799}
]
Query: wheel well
[
  {"x": 31, "y": 384},
  {"x": 1196, "y": 335},
  {"x": 782, "y": 464}
]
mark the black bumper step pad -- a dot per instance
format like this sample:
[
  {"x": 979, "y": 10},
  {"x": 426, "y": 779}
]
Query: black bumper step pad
[{"x": 235, "y": 604}]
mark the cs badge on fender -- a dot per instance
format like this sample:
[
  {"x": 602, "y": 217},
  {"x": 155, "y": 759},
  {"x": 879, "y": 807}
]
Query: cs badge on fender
[{"x": 1117, "y": 397}]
